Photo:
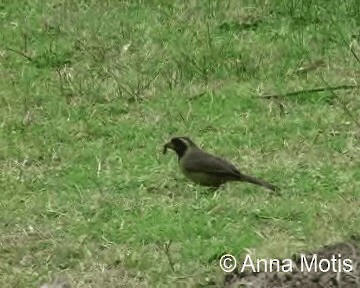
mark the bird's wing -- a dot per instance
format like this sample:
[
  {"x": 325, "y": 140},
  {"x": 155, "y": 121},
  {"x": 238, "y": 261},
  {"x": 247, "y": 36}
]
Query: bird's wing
[{"x": 210, "y": 164}]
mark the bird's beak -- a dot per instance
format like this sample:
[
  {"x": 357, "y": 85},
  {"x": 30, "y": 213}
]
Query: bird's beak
[{"x": 168, "y": 145}]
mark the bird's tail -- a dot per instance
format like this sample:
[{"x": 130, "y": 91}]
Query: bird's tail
[{"x": 257, "y": 181}]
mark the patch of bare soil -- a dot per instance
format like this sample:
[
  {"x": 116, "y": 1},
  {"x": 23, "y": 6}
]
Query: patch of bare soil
[{"x": 302, "y": 277}]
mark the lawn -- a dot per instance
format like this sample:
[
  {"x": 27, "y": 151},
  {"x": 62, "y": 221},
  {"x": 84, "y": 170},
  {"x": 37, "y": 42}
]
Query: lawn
[{"x": 91, "y": 91}]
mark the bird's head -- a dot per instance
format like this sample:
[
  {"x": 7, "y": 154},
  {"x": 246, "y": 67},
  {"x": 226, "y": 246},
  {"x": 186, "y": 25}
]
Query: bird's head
[{"x": 180, "y": 145}]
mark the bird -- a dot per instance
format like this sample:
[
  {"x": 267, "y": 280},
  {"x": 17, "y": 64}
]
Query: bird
[{"x": 206, "y": 169}]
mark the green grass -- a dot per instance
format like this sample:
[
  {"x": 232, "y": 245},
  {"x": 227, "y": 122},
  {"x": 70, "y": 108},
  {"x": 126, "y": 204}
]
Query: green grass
[{"x": 90, "y": 92}]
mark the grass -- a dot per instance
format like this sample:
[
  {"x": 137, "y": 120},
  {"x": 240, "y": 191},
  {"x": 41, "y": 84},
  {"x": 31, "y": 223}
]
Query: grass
[{"x": 91, "y": 91}]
